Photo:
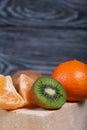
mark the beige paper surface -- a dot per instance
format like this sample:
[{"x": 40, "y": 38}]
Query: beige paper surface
[{"x": 72, "y": 116}]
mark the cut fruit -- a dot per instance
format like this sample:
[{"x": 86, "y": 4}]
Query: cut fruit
[
  {"x": 24, "y": 85},
  {"x": 48, "y": 93},
  {"x": 9, "y": 98}
]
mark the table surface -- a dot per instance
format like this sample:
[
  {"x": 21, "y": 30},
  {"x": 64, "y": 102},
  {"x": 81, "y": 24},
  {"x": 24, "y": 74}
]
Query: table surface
[{"x": 39, "y": 35}]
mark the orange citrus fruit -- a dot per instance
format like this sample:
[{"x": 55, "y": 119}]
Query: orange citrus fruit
[
  {"x": 9, "y": 98},
  {"x": 73, "y": 76},
  {"x": 24, "y": 86}
]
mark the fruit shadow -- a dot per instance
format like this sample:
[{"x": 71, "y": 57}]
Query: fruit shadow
[{"x": 79, "y": 103}]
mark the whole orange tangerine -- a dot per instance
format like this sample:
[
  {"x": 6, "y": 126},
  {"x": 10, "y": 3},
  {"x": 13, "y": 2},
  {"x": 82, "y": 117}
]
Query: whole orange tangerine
[{"x": 72, "y": 75}]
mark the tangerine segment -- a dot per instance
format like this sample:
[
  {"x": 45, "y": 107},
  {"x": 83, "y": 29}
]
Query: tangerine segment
[
  {"x": 25, "y": 83},
  {"x": 9, "y": 98},
  {"x": 34, "y": 75},
  {"x": 2, "y": 82},
  {"x": 73, "y": 76}
]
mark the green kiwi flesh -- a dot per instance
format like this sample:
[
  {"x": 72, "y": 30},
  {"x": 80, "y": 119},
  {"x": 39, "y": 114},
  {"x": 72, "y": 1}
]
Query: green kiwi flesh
[{"x": 48, "y": 93}]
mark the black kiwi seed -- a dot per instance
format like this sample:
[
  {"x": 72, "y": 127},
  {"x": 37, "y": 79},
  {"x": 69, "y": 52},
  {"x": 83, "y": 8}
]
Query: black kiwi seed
[{"x": 48, "y": 93}]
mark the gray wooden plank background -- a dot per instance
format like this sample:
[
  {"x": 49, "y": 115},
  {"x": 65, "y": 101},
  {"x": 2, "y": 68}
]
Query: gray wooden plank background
[
  {"x": 41, "y": 34},
  {"x": 46, "y": 13}
]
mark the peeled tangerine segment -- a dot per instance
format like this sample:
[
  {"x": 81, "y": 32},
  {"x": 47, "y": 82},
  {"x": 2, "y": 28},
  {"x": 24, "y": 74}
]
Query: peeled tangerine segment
[
  {"x": 24, "y": 85},
  {"x": 9, "y": 98}
]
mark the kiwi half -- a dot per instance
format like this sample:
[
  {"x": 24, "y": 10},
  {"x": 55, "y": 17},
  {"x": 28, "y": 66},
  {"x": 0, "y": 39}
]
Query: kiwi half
[{"x": 48, "y": 93}]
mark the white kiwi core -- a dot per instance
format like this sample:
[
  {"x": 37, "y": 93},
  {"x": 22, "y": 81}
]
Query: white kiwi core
[{"x": 50, "y": 91}]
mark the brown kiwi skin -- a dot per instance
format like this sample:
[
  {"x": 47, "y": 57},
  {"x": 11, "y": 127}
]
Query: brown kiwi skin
[{"x": 34, "y": 75}]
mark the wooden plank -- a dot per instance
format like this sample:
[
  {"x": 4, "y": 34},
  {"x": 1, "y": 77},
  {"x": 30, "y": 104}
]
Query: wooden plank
[
  {"x": 47, "y": 13},
  {"x": 39, "y": 49}
]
